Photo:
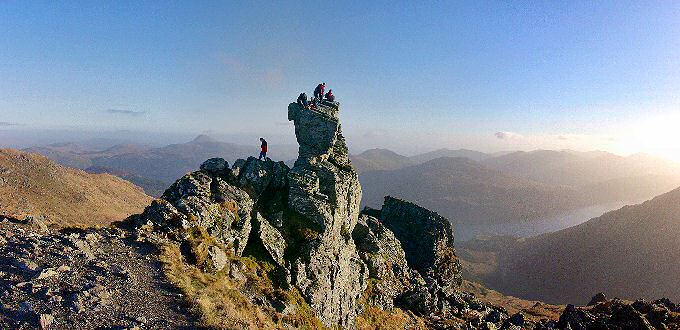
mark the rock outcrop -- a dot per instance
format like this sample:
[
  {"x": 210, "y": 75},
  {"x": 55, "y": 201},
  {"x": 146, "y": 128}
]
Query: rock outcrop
[
  {"x": 389, "y": 273},
  {"x": 618, "y": 314},
  {"x": 412, "y": 264},
  {"x": 427, "y": 239},
  {"x": 306, "y": 221},
  {"x": 324, "y": 188}
]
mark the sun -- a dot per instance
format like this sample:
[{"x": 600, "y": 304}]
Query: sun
[{"x": 658, "y": 136}]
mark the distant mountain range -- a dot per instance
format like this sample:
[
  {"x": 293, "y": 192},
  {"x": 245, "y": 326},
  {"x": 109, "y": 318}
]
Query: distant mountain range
[
  {"x": 32, "y": 185},
  {"x": 384, "y": 159},
  {"x": 151, "y": 168},
  {"x": 633, "y": 252},
  {"x": 511, "y": 193},
  {"x": 515, "y": 193}
]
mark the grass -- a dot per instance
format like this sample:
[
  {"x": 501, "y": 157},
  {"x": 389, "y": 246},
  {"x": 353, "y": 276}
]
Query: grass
[
  {"x": 220, "y": 300},
  {"x": 214, "y": 297},
  {"x": 374, "y": 318}
]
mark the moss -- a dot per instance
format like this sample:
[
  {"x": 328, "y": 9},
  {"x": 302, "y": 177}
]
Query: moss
[
  {"x": 303, "y": 317},
  {"x": 298, "y": 231},
  {"x": 345, "y": 232}
]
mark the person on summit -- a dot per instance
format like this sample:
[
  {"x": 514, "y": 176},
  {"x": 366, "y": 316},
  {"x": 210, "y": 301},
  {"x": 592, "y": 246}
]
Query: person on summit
[
  {"x": 318, "y": 91},
  {"x": 263, "y": 149},
  {"x": 330, "y": 96},
  {"x": 302, "y": 100}
]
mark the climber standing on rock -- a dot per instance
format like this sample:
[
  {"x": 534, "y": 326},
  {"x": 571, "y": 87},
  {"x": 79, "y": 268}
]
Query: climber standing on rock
[
  {"x": 318, "y": 91},
  {"x": 263, "y": 149}
]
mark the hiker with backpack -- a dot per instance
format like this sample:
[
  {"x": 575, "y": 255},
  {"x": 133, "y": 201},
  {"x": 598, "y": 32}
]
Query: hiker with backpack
[
  {"x": 318, "y": 91},
  {"x": 263, "y": 149}
]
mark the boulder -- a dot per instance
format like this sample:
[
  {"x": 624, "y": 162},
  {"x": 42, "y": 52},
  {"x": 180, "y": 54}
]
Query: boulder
[
  {"x": 573, "y": 318},
  {"x": 214, "y": 165},
  {"x": 218, "y": 259},
  {"x": 258, "y": 176},
  {"x": 625, "y": 316},
  {"x": 427, "y": 239},
  {"x": 598, "y": 298}
]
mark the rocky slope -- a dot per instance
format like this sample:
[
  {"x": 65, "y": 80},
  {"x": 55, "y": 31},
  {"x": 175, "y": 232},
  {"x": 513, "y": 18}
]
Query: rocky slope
[
  {"x": 32, "y": 185},
  {"x": 83, "y": 279}
]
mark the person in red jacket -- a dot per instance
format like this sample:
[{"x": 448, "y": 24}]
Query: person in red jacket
[
  {"x": 263, "y": 149},
  {"x": 318, "y": 91},
  {"x": 330, "y": 96}
]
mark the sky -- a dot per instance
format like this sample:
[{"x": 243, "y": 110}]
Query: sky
[{"x": 411, "y": 76}]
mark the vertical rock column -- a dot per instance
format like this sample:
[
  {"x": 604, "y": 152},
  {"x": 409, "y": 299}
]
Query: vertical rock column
[{"x": 325, "y": 189}]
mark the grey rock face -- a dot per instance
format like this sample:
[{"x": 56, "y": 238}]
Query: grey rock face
[
  {"x": 272, "y": 240},
  {"x": 255, "y": 176},
  {"x": 205, "y": 200},
  {"x": 214, "y": 165},
  {"x": 218, "y": 258},
  {"x": 306, "y": 219},
  {"x": 427, "y": 239},
  {"x": 385, "y": 259},
  {"x": 324, "y": 188}
]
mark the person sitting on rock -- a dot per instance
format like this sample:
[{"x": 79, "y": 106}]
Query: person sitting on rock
[
  {"x": 263, "y": 149},
  {"x": 313, "y": 103},
  {"x": 330, "y": 96},
  {"x": 302, "y": 100},
  {"x": 318, "y": 91}
]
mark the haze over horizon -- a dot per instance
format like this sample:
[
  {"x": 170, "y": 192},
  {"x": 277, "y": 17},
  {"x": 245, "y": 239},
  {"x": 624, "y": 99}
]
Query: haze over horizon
[{"x": 410, "y": 77}]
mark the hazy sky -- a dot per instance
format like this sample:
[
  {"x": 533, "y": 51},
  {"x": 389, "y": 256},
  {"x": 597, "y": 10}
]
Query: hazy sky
[{"x": 485, "y": 75}]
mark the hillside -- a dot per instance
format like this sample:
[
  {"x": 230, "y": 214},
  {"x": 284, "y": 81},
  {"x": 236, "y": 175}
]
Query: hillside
[
  {"x": 80, "y": 156},
  {"x": 31, "y": 184},
  {"x": 384, "y": 159},
  {"x": 150, "y": 186},
  {"x": 629, "y": 253},
  {"x": 572, "y": 168},
  {"x": 474, "y": 197},
  {"x": 439, "y": 153},
  {"x": 525, "y": 193},
  {"x": 379, "y": 159}
]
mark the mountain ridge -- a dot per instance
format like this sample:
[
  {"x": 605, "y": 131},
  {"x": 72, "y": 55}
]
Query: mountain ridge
[{"x": 32, "y": 185}]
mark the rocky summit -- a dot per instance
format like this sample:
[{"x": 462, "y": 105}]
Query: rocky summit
[{"x": 260, "y": 245}]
